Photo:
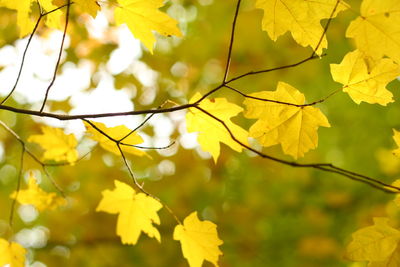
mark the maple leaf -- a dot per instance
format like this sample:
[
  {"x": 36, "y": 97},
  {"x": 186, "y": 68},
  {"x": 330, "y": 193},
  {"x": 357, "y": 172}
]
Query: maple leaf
[
  {"x": 199, "y": 240},
  {"x": 35, "y": 196},
  {"x": 376, "y": 29},
  {"x": 365, "y": 79},
  {"x": 295, "y": 128},
  {"x": 23, "y": 8},
  {"x": 396, "y": 138},
  {"x": 143, "y": 17},
  {"x": 117, "y": 133},
  {"x": 88, "y": 6},
  {"x": 57, "y": 145},
  {"x": 212, "y": 132},
  {"x": 300, "y": 17},
  {"x": 136, "y": 212},
  {"x": 11, "y": 253},
  {"x": 373, "y": 243},
  {"x": 392, "y": 261}
]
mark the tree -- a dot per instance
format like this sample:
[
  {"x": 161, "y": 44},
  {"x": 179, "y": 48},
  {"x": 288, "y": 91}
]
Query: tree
[{"x": 106, "y": 126}]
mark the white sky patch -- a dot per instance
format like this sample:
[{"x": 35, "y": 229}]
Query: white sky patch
[
  {"x": 98, "y": 27},
  {"x": 104, "y": 98},
  {"x": 129, "y": 49},
  {"x": 38, "y": 68},
  {"x": 187, "y": 140},
  {"x": 163, "y": 126}
]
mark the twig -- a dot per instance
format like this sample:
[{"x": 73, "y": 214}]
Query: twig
[
  {"x": 229, "y": 57},
  {"x": 328, "y": 167},
  {"x": 140, "y": 187},
  {"x": 282, "y": 102},
  {"x": 59, "y": 56}
]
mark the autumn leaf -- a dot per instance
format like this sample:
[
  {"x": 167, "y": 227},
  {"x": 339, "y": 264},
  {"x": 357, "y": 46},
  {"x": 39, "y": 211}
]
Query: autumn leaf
[
  {"x": 57, "y": 145},
  {"x": 295, "y": 128},
  {"x": 373, "y": 243},
  {"x": 300, "y": 17},
  {"x": 117, "y": 132},
  {"x": 199, "y": 240},
  {"x": 392, "y": 261},
  {"x": 88, "y": 6},
  {"x": 365, "y": 79},
  {"x": 23, "y": 8},
  {"x": 35, "y": 196},
  {"x": 136, "y": 212},
  {"x": 143, "y": 17},
  {"x": 11, "y": 253},
  {"x": 376, "y": 31},
  {"x": 212, "y": 132}
]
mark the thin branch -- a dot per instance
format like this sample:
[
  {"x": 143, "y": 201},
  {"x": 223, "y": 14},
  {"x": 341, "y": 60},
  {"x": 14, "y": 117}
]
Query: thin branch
[
  {"x": 229, "y": 57},
  {"x": 135, "y": 181},
  {"x": 23, "y": 60},
  {"x": 327, "y": 167},
  {"x": 325, "y": 28},
  {"x": 282, "y": 102},
  {"x": 59, "y": 56},
  {"x": 36, "y": 159},
  {"x": 150, "y": 147},
  {"x": 274, "y": 69},
  {"x": 64, "y": 117}
]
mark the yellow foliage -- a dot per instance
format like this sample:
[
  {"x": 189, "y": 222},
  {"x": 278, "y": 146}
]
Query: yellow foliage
[
  {"x": 11, "y": 253},
  {"x": 212, "y": 132},
  {"x": 373, "y": 243},
  {"x": 376, "y": 30},
  {"x": 295, "y": 128},
  {"x": 57, "y": 145},
  {"x": 88, "y": 6},
  {"x": 117, "y": 132},
  {"x": 143, "y": 17},
  {"x": 23, "y": 8},
  {"x": 35, "y": 196},
  {"x": 199, "y": 240},
  {"x": 365, "y": 79},
  {"x": 300, "y": 17},
  {"x": 136, "y": 212}
]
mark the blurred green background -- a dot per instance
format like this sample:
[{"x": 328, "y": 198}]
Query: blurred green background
[{"x": 267, "y": 214}]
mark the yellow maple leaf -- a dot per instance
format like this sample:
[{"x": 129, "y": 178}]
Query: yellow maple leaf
[
  {"x": 376, "y": 30},
  {"x": 88, "y": 6},
  {"x": 392, "y": 261},
  {"x": 143, "y": 17},
  {"x": 35, "y": 196},
  {"x": 365, "y": 79},
  {"x": 23, "y": 8},
  {"x": 295, "y": 128},
  {"x": 396, "y": 138},
  {"x": 136, "y": 212},
  {"x": 58, "y": 146},
  {"x": 117, "y": 133},
  {"x": 199, "y": 240},
  {"x": 373, "y": 243},
  {"x": 300, "y": 17},
  {"x": 11, "y": 253},
  {"x": 212, "y": 132}
]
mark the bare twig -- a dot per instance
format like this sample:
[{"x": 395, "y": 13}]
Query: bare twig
[
  {"x": 231, "y": 41},
  {"x": 59, "y": 56},
  {"x": 140, "y": 187},
  {"x": 282, "y": 102},
  {"x": 327, "y": 167}
]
